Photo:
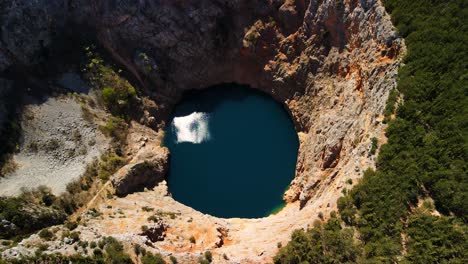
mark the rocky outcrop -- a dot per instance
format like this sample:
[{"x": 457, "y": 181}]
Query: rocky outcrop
[
  {"x": 146, "y": 174},
  {"x": 155, "y": 232},
  {"x": 28, "y": 29},
  {"x": 148, "y": 166}
]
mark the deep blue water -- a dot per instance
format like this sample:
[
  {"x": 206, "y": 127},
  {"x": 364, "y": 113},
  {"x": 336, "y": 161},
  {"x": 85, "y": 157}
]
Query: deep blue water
[{"x": 233, "y": 152}]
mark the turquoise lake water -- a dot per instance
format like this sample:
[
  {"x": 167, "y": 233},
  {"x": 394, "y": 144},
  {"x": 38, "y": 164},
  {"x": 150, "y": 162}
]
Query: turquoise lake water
[{"x": 233, "y": 152}]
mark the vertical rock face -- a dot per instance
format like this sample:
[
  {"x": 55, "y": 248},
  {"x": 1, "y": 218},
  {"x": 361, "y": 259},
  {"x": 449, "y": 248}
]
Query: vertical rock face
[
  {"x": 332, "y": 62},
  {"x": 5, "y": 90},
  {"x": 145, "y": 171},
  {"x": 28, "y": 28}
]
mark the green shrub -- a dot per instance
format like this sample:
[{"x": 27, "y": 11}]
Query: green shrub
[
  {"x": 71, "y": 225},
  {"x": 328, "y": 243},
  {"x": 320, "y": 215},
  {"x": 83, "y": 244},
  {"x": 46, "y": 234},
  {"x": 108, "y": 165},
  {"x": 75, "y": 236},
  {"x": 97, "y": 252},
  {"x": 78, "y": 191},
  {"x": 28, "y": 213},
  {"x": 116, "y": 128},
  {"x": 54, "y": 258},
  {"x": 40, "y": 249},
  {"x": 192, "y": 240},
  {"x": 208, "y": 256},
  {"x": 147, "y": 209},
  {"x": 173, "y": 259},
  {"x": 347, "y": 209},
  {"x": 52, "y": 145},
  {"x": 117, "y": 98},
  {"x": 94, "y": 212},
  {"x": 117, "y": 94},
  {"x": 171, "y": 215},
  {"x": 374, "y": 146},
  {"x": 115, "y": 252},
  {"x": 149, "y": 258},
  {"x": 137, "y": 249},
  {"x": 391, "y": 105}
]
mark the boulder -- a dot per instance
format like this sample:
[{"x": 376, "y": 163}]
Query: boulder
[
  {"x": 7, "y": 228},
  {"x": 141, "y": 174},
  {"x": 289, "y": 17}
]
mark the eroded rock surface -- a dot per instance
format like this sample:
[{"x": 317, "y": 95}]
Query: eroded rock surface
[
  {"x": 146, "y": 171},
  {"x": 331, "y": 62}
]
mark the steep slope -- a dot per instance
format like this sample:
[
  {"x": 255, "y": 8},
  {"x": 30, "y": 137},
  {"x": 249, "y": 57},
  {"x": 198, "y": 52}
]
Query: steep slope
[{"x": 332, "y": 63}]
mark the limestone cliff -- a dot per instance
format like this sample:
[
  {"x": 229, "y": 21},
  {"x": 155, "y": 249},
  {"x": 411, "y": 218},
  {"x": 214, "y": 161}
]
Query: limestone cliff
[{"x": 331, "y": 62}]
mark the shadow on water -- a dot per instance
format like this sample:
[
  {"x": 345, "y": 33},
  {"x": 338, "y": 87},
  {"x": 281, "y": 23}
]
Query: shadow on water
[{"x": 207, "y": 100}]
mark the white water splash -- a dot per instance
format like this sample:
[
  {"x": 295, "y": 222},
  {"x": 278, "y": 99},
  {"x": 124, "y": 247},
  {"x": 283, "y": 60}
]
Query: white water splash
[{"x": 192, "y": 128}]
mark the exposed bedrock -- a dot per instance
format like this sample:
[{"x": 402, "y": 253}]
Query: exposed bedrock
[
  {"x": 331, "y": 62},
  {"x": 146, "y": 170}
]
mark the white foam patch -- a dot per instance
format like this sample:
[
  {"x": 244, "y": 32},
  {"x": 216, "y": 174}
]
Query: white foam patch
[{"x": 192, "y": 128}]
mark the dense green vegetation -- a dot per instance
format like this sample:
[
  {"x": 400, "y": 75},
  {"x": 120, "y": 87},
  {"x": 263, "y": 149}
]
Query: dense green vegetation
[
  {"x": 149, "y": 258},
  {"x": 116, "y": 93},
  {"x": 39, "y": 208},
  {"x": 327, "y": 243},
  {"x": 110, "y": 251},
  {"x": 29, "y": 212},
  {"x": 426, "y": 153},
  {"x": 115, "y": 128},
  {"x": 56, "y": 259}
]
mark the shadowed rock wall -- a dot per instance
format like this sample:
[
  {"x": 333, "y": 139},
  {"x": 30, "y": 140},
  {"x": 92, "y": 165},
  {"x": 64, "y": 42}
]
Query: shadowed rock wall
[{"x": 332, "y": 62}]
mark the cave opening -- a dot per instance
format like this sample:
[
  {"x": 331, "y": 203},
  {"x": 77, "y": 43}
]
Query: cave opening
[{"x": 233, "y": 151}]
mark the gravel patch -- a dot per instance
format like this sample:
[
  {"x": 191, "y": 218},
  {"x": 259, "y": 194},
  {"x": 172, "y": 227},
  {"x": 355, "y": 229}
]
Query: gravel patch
[{"x": 57, "y": 144}]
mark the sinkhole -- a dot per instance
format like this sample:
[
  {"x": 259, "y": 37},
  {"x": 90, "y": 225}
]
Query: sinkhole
[{"x": 233, "y": 152}]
